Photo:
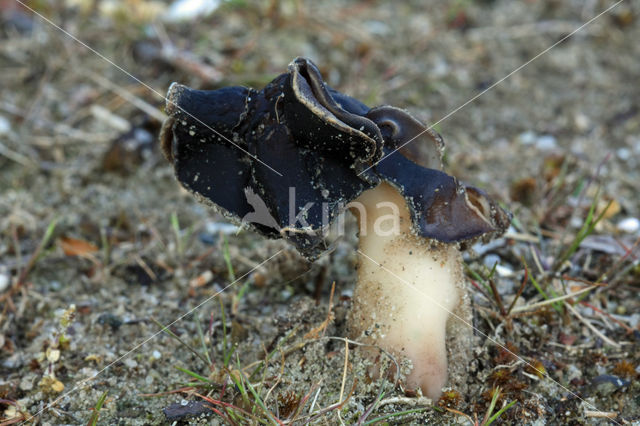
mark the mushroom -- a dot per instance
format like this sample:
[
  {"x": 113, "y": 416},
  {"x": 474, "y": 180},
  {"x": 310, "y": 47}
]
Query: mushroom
[{"x": 335, "y": 153}]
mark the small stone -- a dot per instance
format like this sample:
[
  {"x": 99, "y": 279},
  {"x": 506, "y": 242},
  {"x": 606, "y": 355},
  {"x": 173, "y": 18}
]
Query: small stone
[
  {"x": 490, "y": 260},
  {"x": 527, "y": 138},
  {"x": 26, "y": 383},
  {"x": 546, "y": 143},
  {"x": 12, "y": 362},
  {"x": 188, "y": 10},
  {"x": 130, "y": 362},
  {"x": 4, "y": 281},
  {"x": 224, "y": 227},
  {"x": 581, "y": 122},
  {"x": 5, "y": 126},
  {"x": 53, "y": 355},
  {"x": 624, "y": 154},
  {"x": 630, "y": 225},
  {"x": 504, "y": 271}
]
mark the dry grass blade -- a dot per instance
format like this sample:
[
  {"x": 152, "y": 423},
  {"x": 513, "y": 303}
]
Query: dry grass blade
[
  {"x": 591, "y": 326},
  {"x": 550, "y": 301}
]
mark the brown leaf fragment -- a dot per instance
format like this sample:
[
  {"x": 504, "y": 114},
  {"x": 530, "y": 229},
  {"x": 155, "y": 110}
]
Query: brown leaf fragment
[{"x": 75, "y": 247}]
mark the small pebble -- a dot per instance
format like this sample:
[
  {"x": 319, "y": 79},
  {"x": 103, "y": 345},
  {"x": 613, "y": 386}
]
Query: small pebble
[
  {"x": 582, "y": 122},
  {"x": 26, "y": 384},
  {"x": 504, "y": 271},
  {"x": 634, "y": 321},
  {"x": 5, "y": 126},
  {"x": 188, "y": 10},
  {"x": 224, "y": 227},
  {"x": 490, "y": 260},
  {"x": 130, "y": 362},
  {"x": 12, "y": 362},
  {"x": 527, "y": 138},
  {"x": 379, "y": 28},
  {"x": 624, "y": 154},
  {"x": 546, "y": 143},
  {"x": 630, "y": 225},
  {"x": 4, "y": 281},
  {"x": 542, "y": 142}
]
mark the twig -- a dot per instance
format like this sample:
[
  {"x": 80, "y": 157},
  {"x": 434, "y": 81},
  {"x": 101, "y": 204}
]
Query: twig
[
  {"x": 497, "y": 297},
  {"x": 344, "y": 370},
  {"x": 185, "y": 60},
  {"x": 126, "y": 95},
  {"x": 553, "y": 300},
  {"x": 616, "y": 266},
  {"x": 412, "y": 402},
  {"x": 520, "y": 290},
  {"x": 315, "y": 399},
  {"x": 606, "y": 314},
  {"x": 16, "y": 156},
  {"x": 315, "y": 333},
  {"x": 518, "y": 236},
  {"x": 481, "y": 290},
  {"x": 338, "y": 405},
  {"x": 601, "y": 414},
  {"x": 536, "y": 260},
  {"x": 591, "y": 327}
]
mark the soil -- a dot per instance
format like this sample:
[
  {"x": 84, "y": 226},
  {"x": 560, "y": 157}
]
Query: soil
[{"x": 99, "y": 244}]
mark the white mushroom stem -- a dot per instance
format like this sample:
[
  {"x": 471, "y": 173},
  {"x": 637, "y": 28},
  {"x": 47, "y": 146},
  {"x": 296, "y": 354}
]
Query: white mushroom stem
[{"x": 407, "y": 286}]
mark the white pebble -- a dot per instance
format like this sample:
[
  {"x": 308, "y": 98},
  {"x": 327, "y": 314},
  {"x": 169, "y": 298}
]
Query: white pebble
[
  {"x": 546, "y": 142},
  {"x": 582, "y": 122},
  {"x": 5, "y": 126},
  {"x": 224, "y": 227},
  {"x": 188, "y": 10},
  {"x": 504, "y": 271},
  {"x": 630, "y": 225},
  {"x": 4, "y": 281},
  {"x": 130, "y": 362},
  {"x": 624, "y": 154},
  {"x": 527, "y": 138}
]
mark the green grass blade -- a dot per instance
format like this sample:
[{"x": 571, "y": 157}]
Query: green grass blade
[
  {"x": 175, "y": 225},
  {"x": 499, "y": 413},
  {"x": 227, "y": 260},
  {"x": 93, "y": 420},
  {"x": 193, "y": 374},
  {"x": 202, "y": 340}
]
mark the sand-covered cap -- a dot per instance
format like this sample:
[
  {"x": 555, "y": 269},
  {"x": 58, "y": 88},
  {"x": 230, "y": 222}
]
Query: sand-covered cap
[{"x": 226, "y": 146}]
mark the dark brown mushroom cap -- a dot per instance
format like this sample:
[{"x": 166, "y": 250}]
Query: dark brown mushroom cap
[{"x": 227, "y": 146}]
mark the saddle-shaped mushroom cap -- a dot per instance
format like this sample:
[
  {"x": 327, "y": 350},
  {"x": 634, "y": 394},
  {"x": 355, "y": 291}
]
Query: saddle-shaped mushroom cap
[{"x": 328, "y": 149}]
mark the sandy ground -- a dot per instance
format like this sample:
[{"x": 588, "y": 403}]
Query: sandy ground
[{"x": 129, "y": 247}]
